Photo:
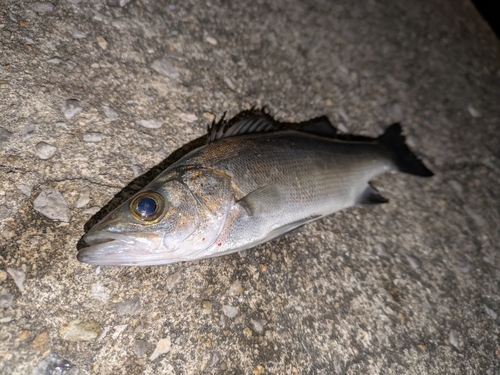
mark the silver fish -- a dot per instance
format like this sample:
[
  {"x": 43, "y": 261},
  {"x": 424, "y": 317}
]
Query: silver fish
[{"x": 253, "y": 181}]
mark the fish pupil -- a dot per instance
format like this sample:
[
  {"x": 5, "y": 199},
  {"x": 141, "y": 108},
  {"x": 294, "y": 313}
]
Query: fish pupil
[{"x": 146, "y": 206}]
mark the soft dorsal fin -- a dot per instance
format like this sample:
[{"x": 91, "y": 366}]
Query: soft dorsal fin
[{"x": 258, "y": 121}]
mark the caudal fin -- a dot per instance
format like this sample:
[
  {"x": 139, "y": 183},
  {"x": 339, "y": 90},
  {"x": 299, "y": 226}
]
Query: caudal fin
[{"x": 405, "y": 160}]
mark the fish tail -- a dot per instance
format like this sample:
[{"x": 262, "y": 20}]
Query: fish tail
[{"x": 405, "y": 160}]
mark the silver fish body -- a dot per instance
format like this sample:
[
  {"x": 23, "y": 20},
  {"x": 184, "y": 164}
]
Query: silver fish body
[{"x": 243, "y": 190}]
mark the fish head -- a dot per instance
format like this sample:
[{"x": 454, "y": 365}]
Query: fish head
[{"x": 167, "y": 222}]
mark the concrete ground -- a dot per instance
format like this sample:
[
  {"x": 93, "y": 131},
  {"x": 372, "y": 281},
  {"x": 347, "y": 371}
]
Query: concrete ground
[{"x": 93, "y": 94}]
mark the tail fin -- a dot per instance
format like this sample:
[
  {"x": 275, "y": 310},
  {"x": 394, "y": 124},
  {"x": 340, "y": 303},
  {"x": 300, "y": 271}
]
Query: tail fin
[{"x": 394, "y": 142}]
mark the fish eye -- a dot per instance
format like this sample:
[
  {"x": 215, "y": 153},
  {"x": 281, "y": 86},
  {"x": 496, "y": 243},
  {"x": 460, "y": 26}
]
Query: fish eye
[{"x": 148, "y": 207}]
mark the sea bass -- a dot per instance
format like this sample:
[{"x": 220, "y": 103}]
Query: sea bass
[{"x": 255, "y": 179}]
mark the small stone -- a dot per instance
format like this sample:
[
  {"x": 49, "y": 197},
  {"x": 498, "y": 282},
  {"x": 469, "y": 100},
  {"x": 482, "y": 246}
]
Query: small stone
[
  {"x": 490, "y": 312},
  {"x": 129, "y": 307},
  {"x": 162, "y": 347},
  {"x": 262, "y": 268},
  {"x": 6, "y": 300},
  {"x": 414, "y": 262},
  {"x": 8, "y": 234},
  {"x": 258, "y": 370},
  {"x": 50, "y": 203},
  {"x": 4, "y": 135},
  {"x": 55, "y": 61},
  {"x": 29, "y": 41},
  {"x": 80, "y": 331},
  {"x": 188, "y": 117},
  {"x": 83, "y": 198},
  {"x": 381, "y": 251},
  {"x": 165, "y": 68},
  {"x": 42, "y": 7},
  {"x": 71, "y": 107},
  {"x": 24, "y": 334},
  {"x": 230, "y": 311},
  {"x": 79, "y": 35},
  {"x": 74, "y": 1},
  {"x": 102, "y": 42},
  {"x": 211, "y": 40},
  {"x": 91, "y": 210},
  {"x": 453, "y": 339},
  {"x": 92, "y": 137},
  {"x": 422, "y": 345},
  {"x": 478, "y": 219},
  {"x": 172, "y": 280},
  {"x": 247, "y": 332},
  {"x": 258, "y": 325},
  {"x": 229, "y": 83},
  {"x": 3, "y": 275},
  {"x": 207, "y": 307},
  {"x": 235, "y": 288},
  {"x": 40, "y": 342},
  {"x": 25, "y": 189},
  {"x": 473, "y": 112},
  {"x": 109, "y": 112},
  {"x": 140, "y": 347},
  {"x": 45, "y": 151},
  {"x": 18, "y": 276},
  {"x": 137, "y": 170},
  {"x": 150, "y": 124},
  {"x": 118, "y": 330},
  {"x": 52, "y": 365},
  {"x": 242, "y": 253},
  {"x": 209, "y": 116}
]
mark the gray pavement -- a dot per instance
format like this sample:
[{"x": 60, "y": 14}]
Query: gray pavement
[{"x": 93, "y": 94}]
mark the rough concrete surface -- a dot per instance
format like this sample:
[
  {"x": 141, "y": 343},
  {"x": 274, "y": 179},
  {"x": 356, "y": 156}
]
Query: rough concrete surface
[{"x": 93, "y": 94}]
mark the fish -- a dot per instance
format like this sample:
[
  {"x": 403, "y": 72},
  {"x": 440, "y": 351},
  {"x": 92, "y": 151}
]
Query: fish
[{"x": 254, "y": 180}]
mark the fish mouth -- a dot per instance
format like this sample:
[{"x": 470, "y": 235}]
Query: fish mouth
[{"x": 116, "y": 249}]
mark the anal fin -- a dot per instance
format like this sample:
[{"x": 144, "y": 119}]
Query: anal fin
[{"x": 370, "y": 197}]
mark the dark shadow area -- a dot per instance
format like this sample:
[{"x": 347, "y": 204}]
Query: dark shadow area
[{"x": 490, "y": 10}]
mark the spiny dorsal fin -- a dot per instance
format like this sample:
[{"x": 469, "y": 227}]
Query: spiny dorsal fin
[
  {"x": 259, "y": 121},
  {"x": 246, "y": 122}
]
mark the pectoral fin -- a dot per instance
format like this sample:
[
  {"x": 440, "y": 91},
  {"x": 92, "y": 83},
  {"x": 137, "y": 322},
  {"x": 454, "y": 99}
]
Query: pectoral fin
[
  {"x": 370, "y": 197},
  {"x": 265, "y": 199}
]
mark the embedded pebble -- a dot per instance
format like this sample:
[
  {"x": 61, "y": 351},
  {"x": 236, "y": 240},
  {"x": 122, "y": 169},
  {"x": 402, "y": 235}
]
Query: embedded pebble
[
  {"x": 165, "y": 68},
  {"x": 137, "y": 170},
  {"x": 118, "y": 330},
  {"x": 258, "y": 370},
  {"x": 25, "y": 189},
  {"x": 6, "y": 300},
  {"x": 229, "y": 83},
  {"x": 91, "y": 210},
  {"x": 242, "y": 253},
  {"x": 98, "y": 291},
  {"x": 230, "y": 311},
  {"x": 83, "y": 198},
  {"x": 490, "y": 312},
  {"x": 92, "y": 137},
  {"x": 74, "y": 1},
  {"x": 150, "y": 124},
  {"x": 454, "y": 339},
  {"x": 71, "y": 107},
  {"x": 456, "y": 186},
  {"x": 473, "y": 112},
  {"x": 478, "y": 219},
  {"x": 129, "y": 307},
  {"x": 42, "y": 7},
  {"x": 247, "y": 332},
  {"x": 50, "y": 203},
  {"x": 211, "y": 40},
  {"x": 162, "y": 347},
  {"x": 188, "y": 117},
  {"x": 18, "y": 276},
  {"x": 4, "y": 135},
  {"x": 45, "y": 151},
  {"x": 172, "y": 280},
  {"x": 102, "y": 42},
  {"x": 414, "y": 262},
  {"x": 3, "y": 275},
  {"x": 258, "y": 325},
  {"x": 109, "y": 112},
  {"x": 207, "y": 306},
  {"x": 235, "y": 288},
  {"x": 140, "y": 347},
  {"x": 79, "y": 35},
  {"x": 80, "y": 331},
  {"x": 381, "y": 251},
  {"x": 40, "y": 341},
  {"x": 55, "y": 61}
]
